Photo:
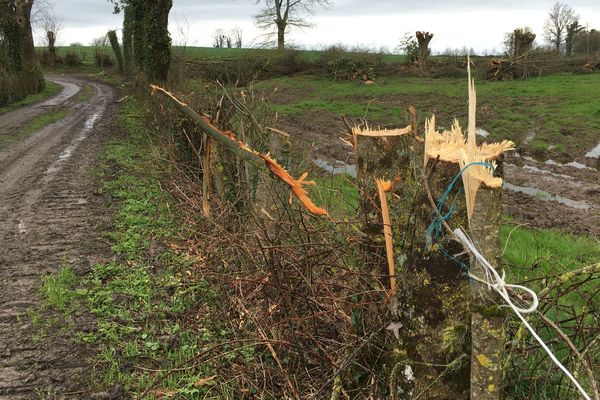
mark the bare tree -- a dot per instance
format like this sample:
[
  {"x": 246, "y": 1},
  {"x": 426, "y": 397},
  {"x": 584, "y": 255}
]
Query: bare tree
[
  {"x": 236, "y": 34},
  {"x": 219, "y": 39},
  {"x": 559, "y": 18},
  {"x": 283, "y": 14},
  {"x": 38, "y": 11},
  {"x": 45, "y": 19}
]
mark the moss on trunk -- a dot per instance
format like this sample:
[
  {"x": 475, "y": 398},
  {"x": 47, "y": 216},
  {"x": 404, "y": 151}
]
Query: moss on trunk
[{"x": 432, "y": 303}]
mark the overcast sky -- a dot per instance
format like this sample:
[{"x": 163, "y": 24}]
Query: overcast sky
[{"x": 477, "y": 24}]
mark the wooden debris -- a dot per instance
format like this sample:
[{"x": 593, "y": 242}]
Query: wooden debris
[
  {"x": 382, "y": 132},
  {"x": 452, "y": 146},
  {"x": 207, "y": 176},
  {"x": 506, "y": 70},
  {"x": 383, "y": 187},
  {"x": 227, "y": 139},
  {"x": 592, "y": 66}
]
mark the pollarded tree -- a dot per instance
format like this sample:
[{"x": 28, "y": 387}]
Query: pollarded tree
[
  {"x": 519, "y": 42},
  {"x": 283, "y": 14},
  {"x": 559, "y": 19}
]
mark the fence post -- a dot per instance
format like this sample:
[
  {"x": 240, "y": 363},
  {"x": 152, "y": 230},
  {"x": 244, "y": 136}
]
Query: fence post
[{"x": 487, "y": 319}]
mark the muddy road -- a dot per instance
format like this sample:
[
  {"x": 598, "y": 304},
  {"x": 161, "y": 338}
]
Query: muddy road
[{"x": 49, "y": 215}]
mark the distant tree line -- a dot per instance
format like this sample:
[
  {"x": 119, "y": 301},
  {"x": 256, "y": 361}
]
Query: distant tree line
[
  {"x": 231, "y": 39},
  {"x": 20, "y": 72},
  {"x": 562, "y": 31}
]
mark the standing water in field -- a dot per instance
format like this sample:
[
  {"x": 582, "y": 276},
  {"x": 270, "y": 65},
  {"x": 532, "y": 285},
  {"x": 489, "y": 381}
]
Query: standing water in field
[
  {"x": 594, "y": 153},
  {"x": 340, "y": 167}
]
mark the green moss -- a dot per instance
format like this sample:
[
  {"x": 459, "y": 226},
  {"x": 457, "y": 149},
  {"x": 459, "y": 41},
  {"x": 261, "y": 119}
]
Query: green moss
[{"x": 491, "y": 311}]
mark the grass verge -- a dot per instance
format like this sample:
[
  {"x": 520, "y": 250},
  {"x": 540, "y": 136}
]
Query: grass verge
[
  {"x": 142, "y": 303},
  {"x": 86, "y": 93},
  {"x": 52, "y": 89},
  {"x": 34, "y": 125}
]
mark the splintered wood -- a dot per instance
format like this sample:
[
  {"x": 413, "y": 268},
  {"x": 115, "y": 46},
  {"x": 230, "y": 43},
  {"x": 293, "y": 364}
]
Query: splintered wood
[
  {"x": 452, "y": 146},
  {"x": 383, "y": 187},
  {"x": 228, "y": 139},
  {"x": 381, "y": 132}
]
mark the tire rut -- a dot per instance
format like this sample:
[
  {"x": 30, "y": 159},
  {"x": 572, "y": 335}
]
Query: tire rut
[{"x": 49, "y": 212}]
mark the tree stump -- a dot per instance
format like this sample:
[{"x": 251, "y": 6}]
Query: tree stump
[{"x": 431, "y": 309}]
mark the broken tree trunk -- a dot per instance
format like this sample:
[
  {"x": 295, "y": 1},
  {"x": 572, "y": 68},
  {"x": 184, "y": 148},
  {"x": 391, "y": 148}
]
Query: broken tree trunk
[
  {"x": 487, "y": 318},
  {"x": 429, "y": 346},
  {"x": 423, "y": 39}
]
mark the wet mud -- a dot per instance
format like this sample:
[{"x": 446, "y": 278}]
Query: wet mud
[{"x": 50, "y": 216}]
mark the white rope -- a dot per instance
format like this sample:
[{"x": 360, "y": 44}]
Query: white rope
[{"x": 496, "y": 282}]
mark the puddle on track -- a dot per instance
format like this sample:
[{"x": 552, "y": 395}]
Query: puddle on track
[
  {"x": 68, "y": 152},
  {"x": 340, "y": 167},
  {"x": 545, "y": 196},
  {"x": 529, "y": 138}
]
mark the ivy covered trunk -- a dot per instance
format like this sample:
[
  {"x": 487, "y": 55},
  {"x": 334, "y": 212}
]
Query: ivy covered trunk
[
  {"x": 128, "y": 25},
  {"x": 21, "y": 73},
  {"x": 429, "y": 348},
  {"x": 146, "y": 38},
  {"x": 158, "y": 47},
  {"x": 114, "y": 43},
  {"x": 51, "y": 48}
]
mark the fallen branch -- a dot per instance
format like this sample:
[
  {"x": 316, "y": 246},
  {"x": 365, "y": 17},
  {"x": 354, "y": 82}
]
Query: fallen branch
[{"x": 228, "y": 140}]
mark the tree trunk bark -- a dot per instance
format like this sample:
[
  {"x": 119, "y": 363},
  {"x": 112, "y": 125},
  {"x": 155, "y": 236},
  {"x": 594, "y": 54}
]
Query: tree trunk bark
[
  {"x": 22, "y": 50},
  {"x": 487, "y": 319},
  {"x": 51, "y": 47},
  {"x": 430, "y": 357},
  {"x": 281, "y": 35},
  {"x": 128, "y": 40},
  {"x": 423, "y": 39},
  {"x": 159, "y": 40}
]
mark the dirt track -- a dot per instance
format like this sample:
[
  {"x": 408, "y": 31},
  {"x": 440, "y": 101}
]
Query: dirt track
[{"x": 47, "y": 209}]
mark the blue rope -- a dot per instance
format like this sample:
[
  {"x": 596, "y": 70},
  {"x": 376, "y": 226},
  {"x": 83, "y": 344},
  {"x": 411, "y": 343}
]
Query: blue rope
[{"x": 435, "y": 230}]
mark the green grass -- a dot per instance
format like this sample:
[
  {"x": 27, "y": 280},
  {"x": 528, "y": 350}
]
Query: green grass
[
  {"x": 139, "y": 301},
  {"x": 86, "y": 53},
  {"x": 58, "y": 289},
  {"x": 338, "y": 194},
  {"x": 52, "y": 89},
  {"x": 86, "y": 93},
  {"x": 42, "y": 121},
  {"x": 537, "y": 258},
  {"x": 563, "y": 110},
  {"x": 546, "y": 252},
  {"x": 34, "y": 125}
]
